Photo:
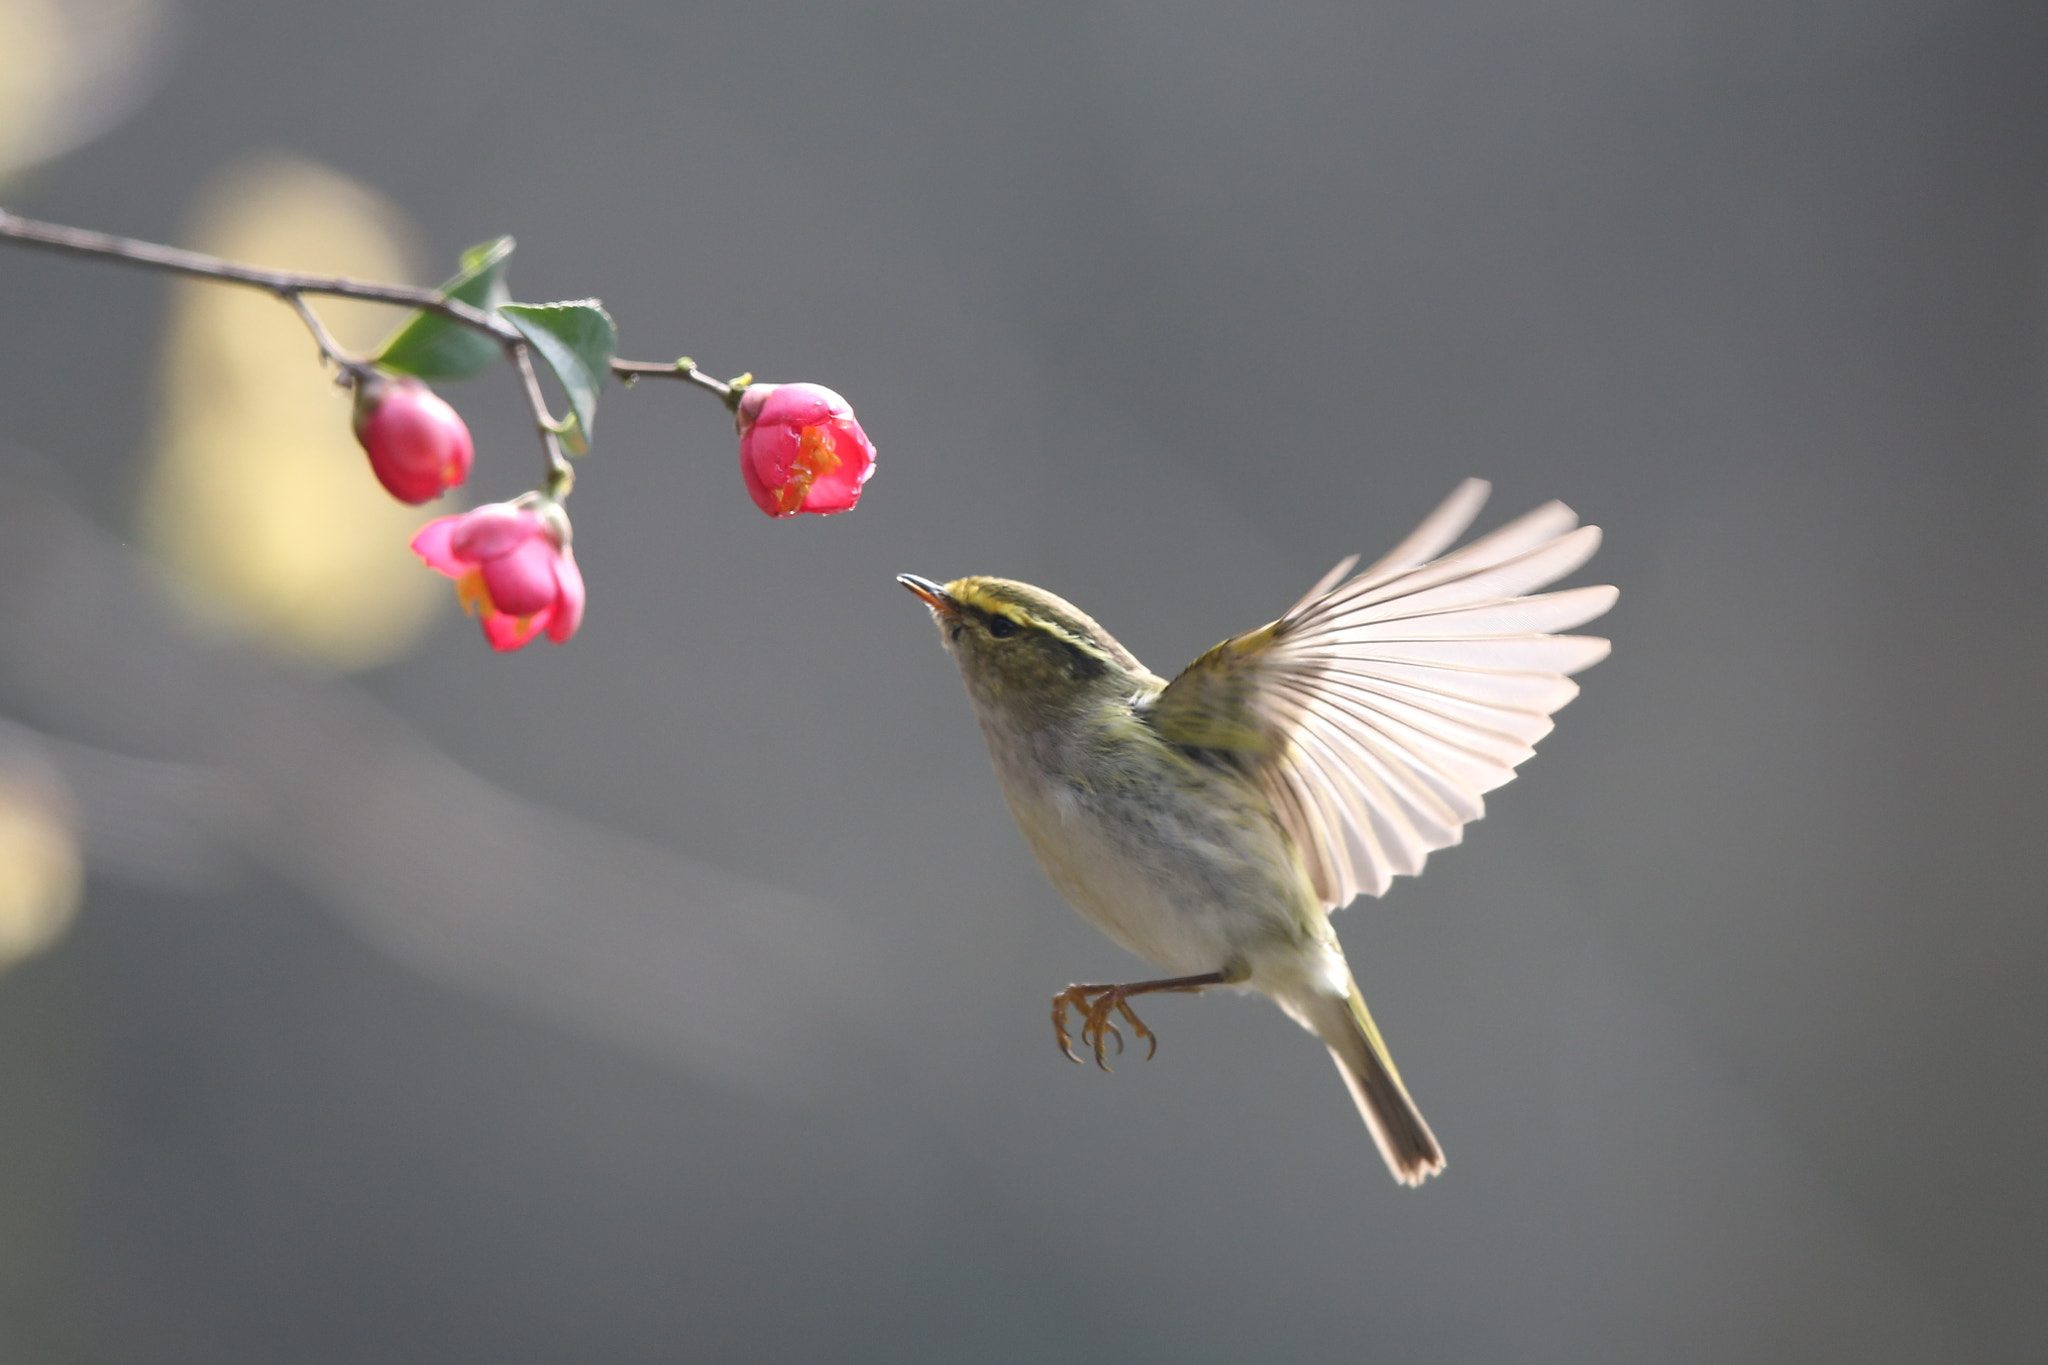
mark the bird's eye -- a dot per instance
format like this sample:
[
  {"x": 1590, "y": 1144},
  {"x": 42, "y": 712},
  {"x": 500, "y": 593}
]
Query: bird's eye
[{"x": 1002, "y": 627}]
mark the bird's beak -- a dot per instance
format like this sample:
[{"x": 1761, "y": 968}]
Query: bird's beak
[{"x": 934, "y": 596}]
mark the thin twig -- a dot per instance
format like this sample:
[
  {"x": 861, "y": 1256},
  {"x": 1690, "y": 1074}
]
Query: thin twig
[
  {"x": 282, "y": 283},
  {"x": 291, "y": 285},
  {"x": 685, "y": 369},
  {"x": 350, "y": 366},
  {"x": 561, "y": 474},
  {"x": 286, "y": 283}
]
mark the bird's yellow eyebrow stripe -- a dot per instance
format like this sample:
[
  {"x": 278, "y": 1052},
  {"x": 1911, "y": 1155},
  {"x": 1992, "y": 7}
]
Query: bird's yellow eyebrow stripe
[
  {"x": 975, "y": 595},
  {"x": 979, "y": 597}
]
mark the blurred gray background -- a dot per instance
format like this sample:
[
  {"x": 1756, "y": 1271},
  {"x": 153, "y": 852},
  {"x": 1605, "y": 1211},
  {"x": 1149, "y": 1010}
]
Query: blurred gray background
[{"x": 679, "y": 994}]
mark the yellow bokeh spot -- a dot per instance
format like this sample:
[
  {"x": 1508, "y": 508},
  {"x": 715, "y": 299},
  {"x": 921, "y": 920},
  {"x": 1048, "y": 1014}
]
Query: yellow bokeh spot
[
  {"x": 41, "y": 873},
  {"x": 35, "y": 54},
  {"x": 70, "y": 69},
  {"x": 259, "y": 501}
]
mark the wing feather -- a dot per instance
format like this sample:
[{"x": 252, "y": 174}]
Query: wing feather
[
  {"x": 1508, "y": 616},
  {"x": 1383, "y": 705},
  {"x": 1436, "y": 808},
  {"x": 1445, "y": 715},
  {"x": 1541, "y": 693},
  {"x": 1559, "y": 654},
  {"x": 1295, "y": 817},
  {"x": 1437, "y": 790},
  {"x": 1430, "y": 539},
  {"x": 1507, "y": 579},
  {"x": 1431, "y": 821},
  {"x": 1527, "y": 532},
  {"x": 1472, "y": 759},
  {"x": 1344, "y": 824}
]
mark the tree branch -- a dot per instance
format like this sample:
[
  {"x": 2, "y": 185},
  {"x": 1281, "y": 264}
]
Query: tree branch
[
  {"x": 282, "y": 283},
  {"x": 286, "y": 284}
]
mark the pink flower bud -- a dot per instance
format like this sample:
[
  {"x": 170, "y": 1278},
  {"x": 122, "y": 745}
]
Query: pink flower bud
[
  {"x": 418, "y": 445},
  {"x": 801, "y": 449},
  {"x": 512, "y": 567}
]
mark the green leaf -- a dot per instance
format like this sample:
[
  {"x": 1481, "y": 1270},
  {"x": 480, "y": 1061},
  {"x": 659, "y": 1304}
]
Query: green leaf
[
  {"x": 435, "y": 347},
  {"x": 578, "y": 340}
]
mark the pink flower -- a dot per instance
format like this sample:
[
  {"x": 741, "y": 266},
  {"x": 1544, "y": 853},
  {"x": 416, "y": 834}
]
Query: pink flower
[
  {"x": 419, "y": 448},
  {"x": 512, "y": 567},
  {"x": 801, "y": 449}
]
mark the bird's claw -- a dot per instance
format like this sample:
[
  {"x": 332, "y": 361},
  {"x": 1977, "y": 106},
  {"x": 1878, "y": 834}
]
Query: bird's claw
[{"x": 1097, "y": 1005}]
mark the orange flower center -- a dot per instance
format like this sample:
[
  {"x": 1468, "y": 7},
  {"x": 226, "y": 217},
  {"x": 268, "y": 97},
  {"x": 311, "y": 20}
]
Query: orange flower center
[
  {"x": 815, "y": 458},
  {"x": 471, "y": 592}
]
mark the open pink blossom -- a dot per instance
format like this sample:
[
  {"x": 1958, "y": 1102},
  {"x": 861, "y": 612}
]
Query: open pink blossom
[
  {"x": 513, "y": 570},
  {"x": 801, "y": 449},
  {"x": 418, "y": 445}
]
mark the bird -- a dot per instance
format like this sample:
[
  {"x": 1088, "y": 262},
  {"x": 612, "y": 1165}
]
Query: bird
[{"x": 1210, "y": 824}]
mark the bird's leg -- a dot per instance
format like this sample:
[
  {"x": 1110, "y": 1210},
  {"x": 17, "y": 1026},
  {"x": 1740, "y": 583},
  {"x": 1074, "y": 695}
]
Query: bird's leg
[{"x": 1096, "y": 1005}]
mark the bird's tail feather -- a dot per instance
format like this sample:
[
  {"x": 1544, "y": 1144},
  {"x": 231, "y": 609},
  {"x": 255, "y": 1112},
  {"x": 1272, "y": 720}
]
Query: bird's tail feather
[{"x": 1397, "y": 1125}]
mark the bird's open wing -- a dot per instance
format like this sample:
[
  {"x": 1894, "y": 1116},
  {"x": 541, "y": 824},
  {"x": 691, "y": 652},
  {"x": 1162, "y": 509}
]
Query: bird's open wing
[{"x": 1381, "y": 706}]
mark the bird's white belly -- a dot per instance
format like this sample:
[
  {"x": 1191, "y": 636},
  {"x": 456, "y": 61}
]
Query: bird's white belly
[{"x": 1187, "y": 897}]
